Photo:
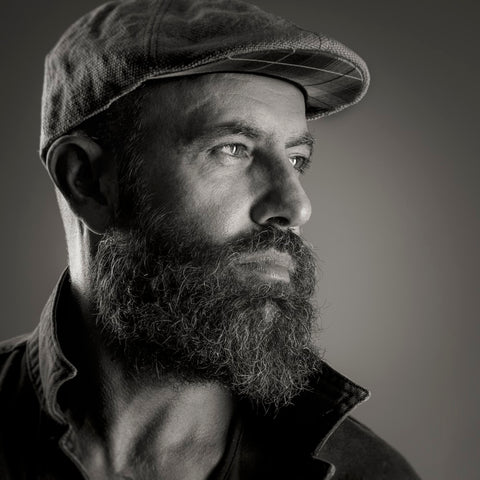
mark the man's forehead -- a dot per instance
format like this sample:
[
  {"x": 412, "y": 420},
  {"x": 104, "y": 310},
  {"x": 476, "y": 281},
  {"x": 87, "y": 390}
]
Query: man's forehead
[{"x": 234, "y": 101}]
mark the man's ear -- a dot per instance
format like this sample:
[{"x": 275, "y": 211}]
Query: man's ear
[{"x": 86, "y": 177}]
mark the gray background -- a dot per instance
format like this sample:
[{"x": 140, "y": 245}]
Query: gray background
[{"x": 396, "y": 212}]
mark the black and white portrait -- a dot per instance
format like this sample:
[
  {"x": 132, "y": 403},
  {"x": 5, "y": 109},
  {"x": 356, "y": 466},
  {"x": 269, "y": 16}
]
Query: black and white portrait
[{"x": 239, "y": 240}]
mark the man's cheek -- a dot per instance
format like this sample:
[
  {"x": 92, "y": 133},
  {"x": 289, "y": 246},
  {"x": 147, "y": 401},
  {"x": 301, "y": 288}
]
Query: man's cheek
[{"x": 218, "y": 218}]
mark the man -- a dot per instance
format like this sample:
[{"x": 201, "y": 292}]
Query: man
[{"x": 177, "y": 345}]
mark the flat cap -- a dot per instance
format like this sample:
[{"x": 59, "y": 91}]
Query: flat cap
[{"x": 112, "y": 50}]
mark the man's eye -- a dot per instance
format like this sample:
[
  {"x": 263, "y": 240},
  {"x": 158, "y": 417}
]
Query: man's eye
[
  {"x": 300, "y": 163},
  {"x": 234, "y": 149}
]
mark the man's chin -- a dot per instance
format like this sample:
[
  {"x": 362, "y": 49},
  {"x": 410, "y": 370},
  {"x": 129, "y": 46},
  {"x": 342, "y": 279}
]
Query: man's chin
[{"x": 260, "y": 348}]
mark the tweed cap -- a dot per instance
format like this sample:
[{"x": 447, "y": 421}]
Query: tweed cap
[{"x": 114, "y": 49}]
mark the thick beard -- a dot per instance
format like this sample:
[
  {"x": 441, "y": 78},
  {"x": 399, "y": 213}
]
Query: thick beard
[{"x": 171, "y": 305}]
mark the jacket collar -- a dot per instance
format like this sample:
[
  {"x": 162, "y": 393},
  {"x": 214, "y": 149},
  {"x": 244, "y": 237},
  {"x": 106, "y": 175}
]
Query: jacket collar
[
  {"x": 290, "y": 442},
  {"x": 48, "y": 366},
  {"x": 309, "y": 421}
]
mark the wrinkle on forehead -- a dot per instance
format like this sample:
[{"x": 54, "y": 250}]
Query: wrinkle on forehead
[{"x": 182, "y": 105}]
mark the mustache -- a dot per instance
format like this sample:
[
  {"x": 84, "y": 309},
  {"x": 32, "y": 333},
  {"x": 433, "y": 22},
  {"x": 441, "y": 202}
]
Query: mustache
[
  {"x": 192, "y": 260},
  {"x": 269, "y": 237},
  {"x": 173, "y": 240}
]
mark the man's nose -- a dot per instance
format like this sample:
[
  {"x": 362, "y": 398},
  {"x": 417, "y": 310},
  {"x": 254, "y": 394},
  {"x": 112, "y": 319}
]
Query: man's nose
[{"x": 282, "y": 202}]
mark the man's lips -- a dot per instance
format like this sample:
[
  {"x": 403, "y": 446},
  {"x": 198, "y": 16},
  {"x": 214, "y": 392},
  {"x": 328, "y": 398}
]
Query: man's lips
[{"x": 267, "y": 264}]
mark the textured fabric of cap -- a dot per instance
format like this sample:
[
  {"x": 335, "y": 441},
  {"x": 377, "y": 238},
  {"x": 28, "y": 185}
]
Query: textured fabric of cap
[{"x": 114, "y": 49}]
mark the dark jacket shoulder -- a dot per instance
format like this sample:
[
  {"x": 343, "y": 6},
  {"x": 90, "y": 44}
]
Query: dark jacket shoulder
[
  {"x": 359, "y": 454},
  {"x": 19, "y": 411}
]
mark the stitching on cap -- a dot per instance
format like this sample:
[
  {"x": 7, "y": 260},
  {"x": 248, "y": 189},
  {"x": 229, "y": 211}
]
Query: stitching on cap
[{"x": 157, "y": 18}]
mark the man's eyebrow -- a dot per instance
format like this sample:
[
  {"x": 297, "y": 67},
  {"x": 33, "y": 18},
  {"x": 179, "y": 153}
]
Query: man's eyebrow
[
  {"x": 249, "y": 131},
  {"x": 303, "y": 139},
  {"x": 230, "y": 128}
]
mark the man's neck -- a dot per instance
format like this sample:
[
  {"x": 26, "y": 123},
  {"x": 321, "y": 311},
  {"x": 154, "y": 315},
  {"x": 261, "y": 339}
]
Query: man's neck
[
  {"x": 176, "y": 431},
  {"x": 138, "y": 427}
]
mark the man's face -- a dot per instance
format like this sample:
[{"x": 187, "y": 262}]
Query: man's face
[
  {"x": 224, "y": 153},
  {"x": 209, "y": 280}
]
